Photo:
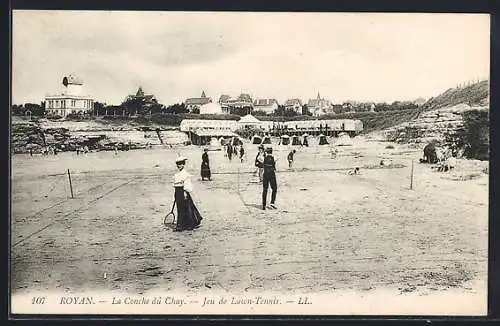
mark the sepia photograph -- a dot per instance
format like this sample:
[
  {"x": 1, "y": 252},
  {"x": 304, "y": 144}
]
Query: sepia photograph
[{"x": 257, "y": 163}]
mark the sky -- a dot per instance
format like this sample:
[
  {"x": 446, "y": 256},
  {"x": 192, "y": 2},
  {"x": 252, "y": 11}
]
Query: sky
[{"x": 175, "y": 55}]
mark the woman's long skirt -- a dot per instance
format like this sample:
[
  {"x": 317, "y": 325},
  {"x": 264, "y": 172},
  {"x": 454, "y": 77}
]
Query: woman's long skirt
[
  {"x": 205, "y": 171},
  {"x": 188, "y": 216}
]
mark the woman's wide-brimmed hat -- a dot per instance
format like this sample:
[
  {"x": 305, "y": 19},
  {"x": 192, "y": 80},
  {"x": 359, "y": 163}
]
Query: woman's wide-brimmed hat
[{"x": 180, "y": 159}]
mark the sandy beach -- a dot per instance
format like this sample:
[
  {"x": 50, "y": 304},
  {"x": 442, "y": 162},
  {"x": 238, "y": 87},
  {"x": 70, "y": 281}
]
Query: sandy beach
[{"x": 332, "y": 231}]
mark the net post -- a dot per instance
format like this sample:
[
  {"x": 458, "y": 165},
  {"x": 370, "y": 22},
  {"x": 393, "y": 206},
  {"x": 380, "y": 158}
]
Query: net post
[{"x": 70, "y": 184}]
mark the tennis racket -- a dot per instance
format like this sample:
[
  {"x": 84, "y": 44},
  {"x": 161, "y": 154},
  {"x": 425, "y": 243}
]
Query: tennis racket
[{"x": 169, "y": 216}]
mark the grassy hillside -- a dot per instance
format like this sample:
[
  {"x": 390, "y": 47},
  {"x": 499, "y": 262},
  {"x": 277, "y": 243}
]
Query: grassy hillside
[{"x": 476, "y": 94}]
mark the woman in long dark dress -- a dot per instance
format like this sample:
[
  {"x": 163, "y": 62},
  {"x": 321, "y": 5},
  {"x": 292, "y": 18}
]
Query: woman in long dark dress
[
  {"x": 188, "y": 216},
  {"x": 205, "y": 166}
]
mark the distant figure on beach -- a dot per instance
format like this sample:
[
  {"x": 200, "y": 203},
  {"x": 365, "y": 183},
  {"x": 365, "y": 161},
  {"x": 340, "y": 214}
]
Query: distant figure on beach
[
  {"x": 242, "y": 153},
  {"x": 354, "y": 171},
  {"x": 385, "y": 162},
  {"x": 290, "y": 158},
  {"x": 259, "y": 162},
  {"x": 188, "y": 216},
  {"x": 269, "y": 178},
  {"x": 333, "y": 153},
  {"x": 229, "y": 151},
  {"x": 116, "y": 149},
  {"x": 205, "y": 166}
]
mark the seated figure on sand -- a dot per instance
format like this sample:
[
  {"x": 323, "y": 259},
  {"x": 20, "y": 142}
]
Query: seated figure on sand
[
  {"x": 430, "y": 155},
  {"x": 354, "y": 171}
]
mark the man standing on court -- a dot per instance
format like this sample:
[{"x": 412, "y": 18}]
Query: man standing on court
[
  {"x": 259, "y": 162},
  {"x": 269, "y": 178},
  {"x": 290, "y": 158}
]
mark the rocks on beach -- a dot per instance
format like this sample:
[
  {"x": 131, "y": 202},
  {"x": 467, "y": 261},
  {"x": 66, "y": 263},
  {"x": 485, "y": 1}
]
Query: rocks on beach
[{"x": 36, "y": 136}]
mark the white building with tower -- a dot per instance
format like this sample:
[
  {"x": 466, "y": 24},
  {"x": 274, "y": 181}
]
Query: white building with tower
[{"x": 71, "y": 100}]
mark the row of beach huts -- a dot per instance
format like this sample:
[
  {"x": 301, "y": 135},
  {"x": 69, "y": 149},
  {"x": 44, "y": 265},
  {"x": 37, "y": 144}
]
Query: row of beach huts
[{"x": 201, "y": 132}]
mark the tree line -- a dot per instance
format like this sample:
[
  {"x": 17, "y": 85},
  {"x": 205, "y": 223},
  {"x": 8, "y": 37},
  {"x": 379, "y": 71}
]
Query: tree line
[
  {"x": 129, "y": 107},
  {"x": 346, "y": 107},
  {"x": 141, "y": 107}
]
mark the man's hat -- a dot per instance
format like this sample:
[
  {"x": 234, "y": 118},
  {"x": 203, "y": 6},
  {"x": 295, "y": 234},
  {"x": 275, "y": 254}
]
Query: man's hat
[{"x": 269, "y": 150}]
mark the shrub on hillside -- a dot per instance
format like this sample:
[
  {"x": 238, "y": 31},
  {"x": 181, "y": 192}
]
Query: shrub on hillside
[
  {"x": 476, "y": 134},
  {"x": 473, "y": 138}
]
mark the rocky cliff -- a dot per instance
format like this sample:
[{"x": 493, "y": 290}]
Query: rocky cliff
[
  {"x": 431, "y": 125},
  {"x": 443, "y": 116}
]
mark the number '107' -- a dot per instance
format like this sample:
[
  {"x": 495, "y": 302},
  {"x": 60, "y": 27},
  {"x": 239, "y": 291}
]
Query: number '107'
[{"x": 38, "y": 300}]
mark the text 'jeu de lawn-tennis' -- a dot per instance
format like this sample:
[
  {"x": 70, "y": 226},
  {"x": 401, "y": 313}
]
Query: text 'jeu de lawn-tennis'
[{"x": 171, "y": 300}]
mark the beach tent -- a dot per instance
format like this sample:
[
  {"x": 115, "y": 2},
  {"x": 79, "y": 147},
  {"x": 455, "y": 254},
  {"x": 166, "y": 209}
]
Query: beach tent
[
  {"x": 296, "y": 141},
  {"x": 249, "y": 121},
  {"x": 322, "y": 140},
  {"x": 256, "y": 140},
  {"x": 214, "y": 142},
  {"x": 305, "y": 142},
  {"x": 266, "y": 140},
  {"x": 344, "y": 139},
  {"x": 285, "y": 140}
]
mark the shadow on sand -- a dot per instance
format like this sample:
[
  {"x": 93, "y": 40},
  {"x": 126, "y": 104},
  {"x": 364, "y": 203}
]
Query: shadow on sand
[{"x": 256, "y": 206}]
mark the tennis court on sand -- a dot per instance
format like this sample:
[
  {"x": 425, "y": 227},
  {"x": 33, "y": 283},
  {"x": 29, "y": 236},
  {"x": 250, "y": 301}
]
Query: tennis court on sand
[{"x": 332, "y": 231}]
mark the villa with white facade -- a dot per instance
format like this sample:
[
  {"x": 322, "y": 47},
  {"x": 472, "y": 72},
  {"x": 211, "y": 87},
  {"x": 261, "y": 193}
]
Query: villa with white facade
[
  {"x": 71, "y": 100},
  {"x": 267, "y": 105}
]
